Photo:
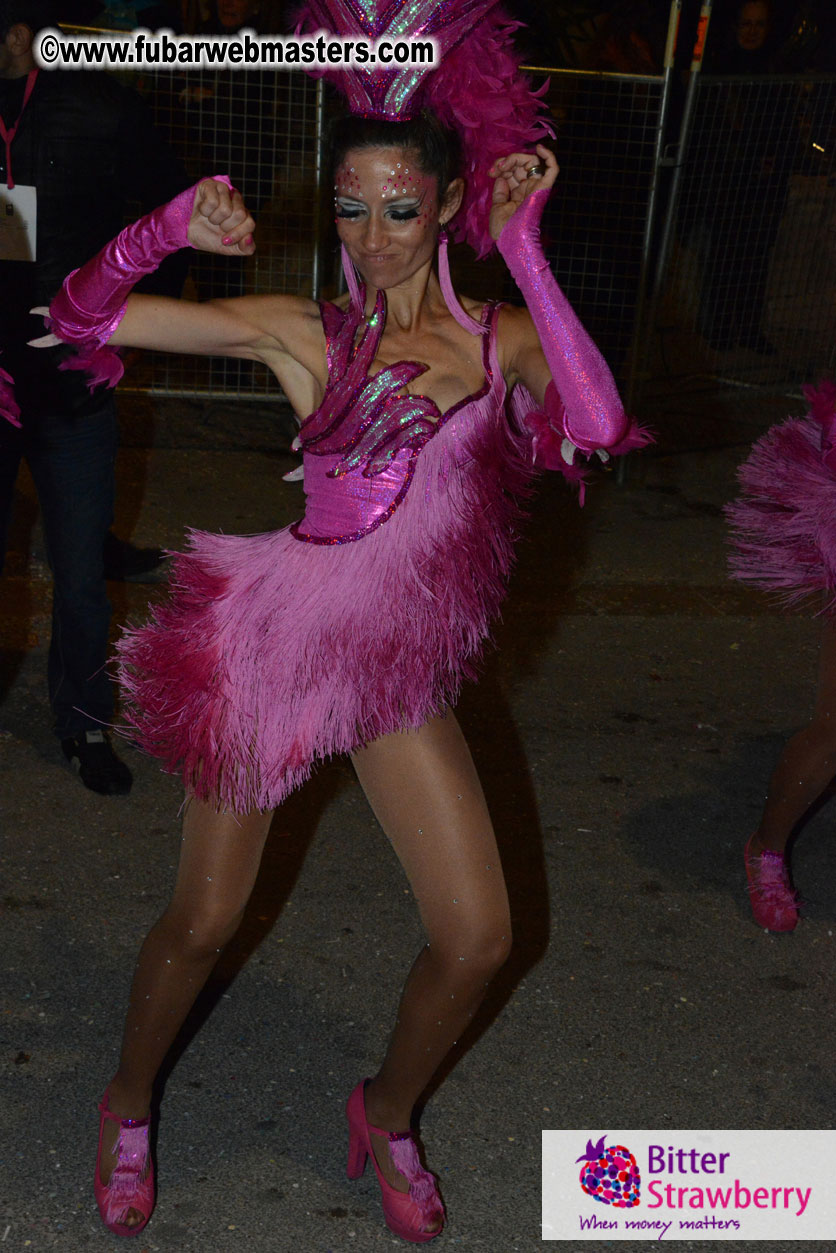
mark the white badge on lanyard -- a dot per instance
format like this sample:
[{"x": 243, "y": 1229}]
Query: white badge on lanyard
[
  {"x": 18, "y": 203},
  {"x": 18, "y": 223}
]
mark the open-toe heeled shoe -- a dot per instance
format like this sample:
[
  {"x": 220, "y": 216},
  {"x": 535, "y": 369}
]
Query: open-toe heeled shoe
[
  {"x": 408, "y": 1214},
  {"x": 774, "y": 903},
  {"x": 131, "y": 1184}
]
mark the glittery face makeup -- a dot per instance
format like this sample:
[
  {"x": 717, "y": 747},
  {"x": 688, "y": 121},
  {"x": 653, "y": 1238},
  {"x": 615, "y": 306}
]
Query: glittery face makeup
[{"x": 386, "y": 214}]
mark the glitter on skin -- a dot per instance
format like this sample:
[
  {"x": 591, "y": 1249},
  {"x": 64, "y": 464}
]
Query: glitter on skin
[{"x": 403, "y": 222}]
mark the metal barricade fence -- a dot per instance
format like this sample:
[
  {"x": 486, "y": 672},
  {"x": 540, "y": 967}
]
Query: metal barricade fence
[
  {"x": 596, "y": 225},
  {"x": 746, "y": 296},
  {"x": 263, "y": 129}
]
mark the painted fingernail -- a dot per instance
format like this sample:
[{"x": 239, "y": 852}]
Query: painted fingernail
[
  {"x": 248, "y": 240},
  {"x": 227, "y": 239}
]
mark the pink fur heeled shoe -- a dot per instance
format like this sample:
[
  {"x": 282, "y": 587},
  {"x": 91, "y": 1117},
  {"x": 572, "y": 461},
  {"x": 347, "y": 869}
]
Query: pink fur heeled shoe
[
  {"x": 131, "y": 1185},
  {"x": 408, "y": 1214},
  {"x": 774, "y": 903}
]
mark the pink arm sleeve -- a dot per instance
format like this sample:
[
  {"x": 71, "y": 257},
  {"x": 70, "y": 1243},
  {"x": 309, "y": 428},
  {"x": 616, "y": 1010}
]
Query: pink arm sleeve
[
  {"x": 594, "y": 415},
  {"x": 92, "y": 300}
]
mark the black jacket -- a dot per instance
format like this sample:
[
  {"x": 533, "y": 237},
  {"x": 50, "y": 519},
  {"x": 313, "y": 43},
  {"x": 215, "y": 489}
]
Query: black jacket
[{"x": 88, "y": 146}]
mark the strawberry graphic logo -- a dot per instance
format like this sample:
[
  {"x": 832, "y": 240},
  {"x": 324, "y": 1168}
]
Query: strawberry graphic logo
[{"x": 610, "y": 1174}]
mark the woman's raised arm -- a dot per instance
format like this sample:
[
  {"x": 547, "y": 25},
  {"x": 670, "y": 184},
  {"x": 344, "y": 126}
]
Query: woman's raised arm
[
  {"x": 255, "y": 327},
  {"x": 95, "y": 308},
  {"x": 594, "y": 415},
  {"x": 546, "y": 348}
]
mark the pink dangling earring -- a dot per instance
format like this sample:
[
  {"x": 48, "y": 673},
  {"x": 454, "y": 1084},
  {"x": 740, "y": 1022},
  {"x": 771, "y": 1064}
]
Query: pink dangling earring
[
  {"x": 450, "y": 298},
  {"x": 356, "y": 296}
]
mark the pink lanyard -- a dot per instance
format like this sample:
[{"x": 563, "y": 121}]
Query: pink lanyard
[{"x": 8, "y": 134}]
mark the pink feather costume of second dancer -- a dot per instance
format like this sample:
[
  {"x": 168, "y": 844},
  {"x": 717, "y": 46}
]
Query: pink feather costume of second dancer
[
  {"x": 353, "y": 629},
  {"x": 783, "y": 534}
]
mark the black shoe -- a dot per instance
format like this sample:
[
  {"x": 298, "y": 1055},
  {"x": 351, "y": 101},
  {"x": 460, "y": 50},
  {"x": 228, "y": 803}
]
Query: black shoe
[
  {"x": 719, "y": 342},
  {"x": 125, "y": 563},
  {"x": 757, "y": 343},
  {"x": 91, "y": 754}
]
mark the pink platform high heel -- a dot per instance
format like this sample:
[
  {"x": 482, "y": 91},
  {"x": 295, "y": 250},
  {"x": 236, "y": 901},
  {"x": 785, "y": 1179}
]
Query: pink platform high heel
[
  {"x": 407, "y": 1214},
  {"x": 774, "y": 903},
  {"x": 131, "y": 1185}
]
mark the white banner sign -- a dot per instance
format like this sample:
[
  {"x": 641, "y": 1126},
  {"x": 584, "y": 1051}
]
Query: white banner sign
[{"x": 689, "y": 1185}]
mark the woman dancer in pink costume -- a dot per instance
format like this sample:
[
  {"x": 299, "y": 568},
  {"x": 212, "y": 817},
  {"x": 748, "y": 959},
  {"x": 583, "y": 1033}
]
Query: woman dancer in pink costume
[
  {"x": 784, "y": 541},
  {"x": 805, "y": 768},
  {"x": 352, "y": 630}
]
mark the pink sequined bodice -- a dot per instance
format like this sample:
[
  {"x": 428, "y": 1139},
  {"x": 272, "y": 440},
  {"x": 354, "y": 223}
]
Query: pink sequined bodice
[
  {"x": 338, "y": 510},
  {"x": 360, "y": 446}
]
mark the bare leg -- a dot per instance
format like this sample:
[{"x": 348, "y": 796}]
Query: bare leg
[
  {"x": 219, "y": 860},
  {"x": 426, "y": 795},
  {"x": 807, "y": 763}
]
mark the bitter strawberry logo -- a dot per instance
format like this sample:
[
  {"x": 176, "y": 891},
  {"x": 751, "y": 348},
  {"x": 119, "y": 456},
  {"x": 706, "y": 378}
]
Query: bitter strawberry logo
[{"x": 610, "y": 1174}]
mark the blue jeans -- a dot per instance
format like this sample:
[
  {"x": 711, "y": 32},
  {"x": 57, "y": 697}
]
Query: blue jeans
[{"x": 72, "y": 459}]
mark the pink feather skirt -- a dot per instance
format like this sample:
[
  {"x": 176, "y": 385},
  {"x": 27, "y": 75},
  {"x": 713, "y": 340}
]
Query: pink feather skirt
[
  {"x": 271, "y": 654},
  {"x": 783, "y": 524}
]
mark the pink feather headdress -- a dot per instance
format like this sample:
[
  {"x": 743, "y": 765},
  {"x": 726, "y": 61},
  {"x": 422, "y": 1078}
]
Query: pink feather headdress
[{"x": 476, "y": 89}]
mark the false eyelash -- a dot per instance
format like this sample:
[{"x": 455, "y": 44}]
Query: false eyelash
[{"x": 397, "y": 215}]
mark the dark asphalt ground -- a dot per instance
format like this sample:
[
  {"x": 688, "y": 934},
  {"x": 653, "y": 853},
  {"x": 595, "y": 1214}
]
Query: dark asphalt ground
[{"x": 624, "y": 730}]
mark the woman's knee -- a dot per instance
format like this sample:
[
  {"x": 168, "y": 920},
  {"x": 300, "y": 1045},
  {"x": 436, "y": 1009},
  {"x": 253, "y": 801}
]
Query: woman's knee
[
  {"x": 477, "y": 950},
  {"x": 202, "y": 931},
  {"x": 817, "y": 741}
]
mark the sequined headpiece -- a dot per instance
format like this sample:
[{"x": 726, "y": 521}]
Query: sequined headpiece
[
  {"x": 393, "y": 93},
  {"x": 476, "y": 87}
]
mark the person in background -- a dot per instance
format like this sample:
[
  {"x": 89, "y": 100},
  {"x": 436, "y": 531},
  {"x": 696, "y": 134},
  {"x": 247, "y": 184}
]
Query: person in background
[
  {"x": 783, "y": 541},
  {"x": 82, "y": 147},
  {"x": 744, "y": 192}
]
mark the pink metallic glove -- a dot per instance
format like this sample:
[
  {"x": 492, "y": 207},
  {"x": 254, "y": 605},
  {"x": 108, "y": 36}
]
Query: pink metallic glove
[
  {"x": 552, "y": 449},
  {"x": 594, "y": 416},
  {"x": 92, "y": 301}
]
